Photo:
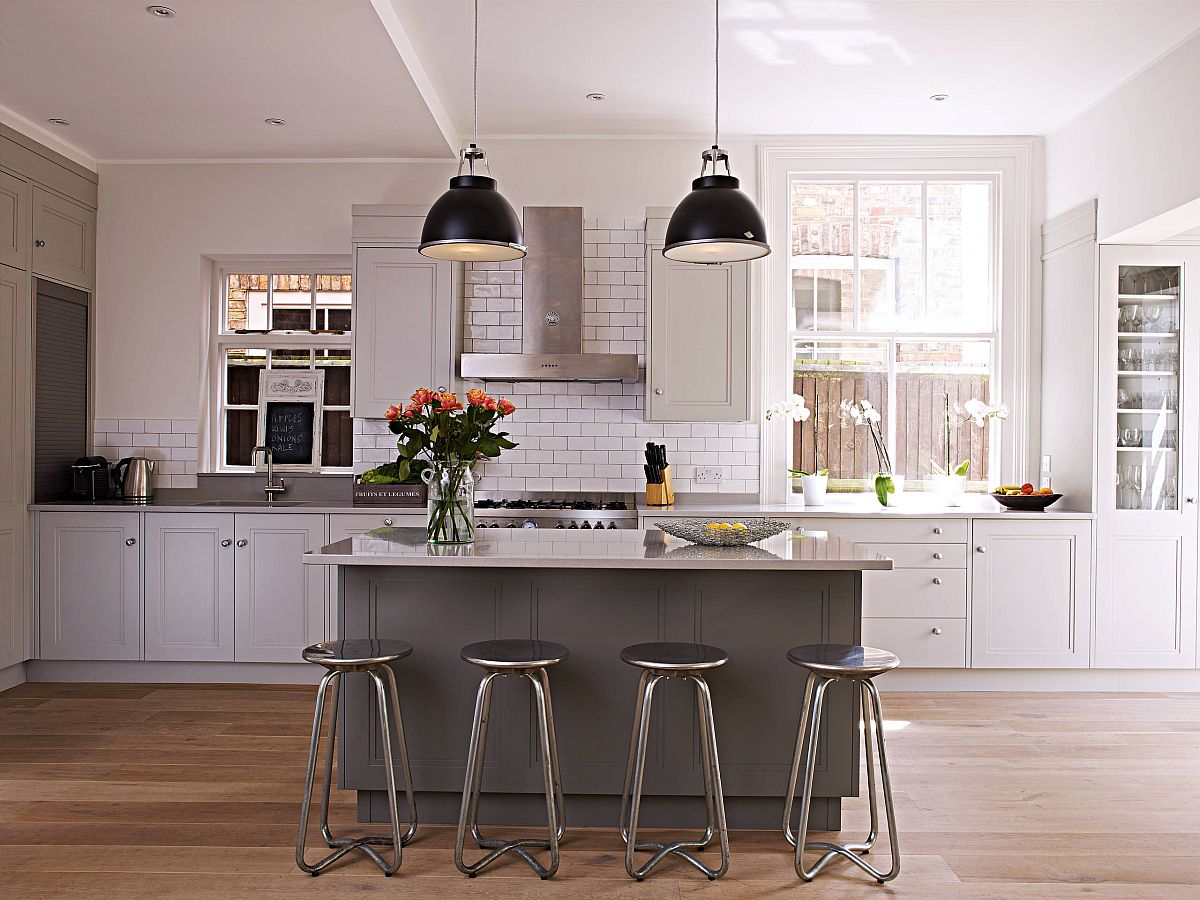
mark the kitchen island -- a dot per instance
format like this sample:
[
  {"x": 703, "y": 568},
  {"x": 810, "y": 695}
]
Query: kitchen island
[{"x": 596, "y": 592}]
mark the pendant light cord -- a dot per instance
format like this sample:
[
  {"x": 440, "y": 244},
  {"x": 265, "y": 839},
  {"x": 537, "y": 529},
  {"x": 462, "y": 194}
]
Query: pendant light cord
[
  {"x": 716, "y": 76},
  {"x": 475, "y": 83}
]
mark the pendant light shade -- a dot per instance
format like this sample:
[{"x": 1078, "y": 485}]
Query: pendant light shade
[
  {"x": 472, "y": 222},
  {"x": 717, "y": 222}
]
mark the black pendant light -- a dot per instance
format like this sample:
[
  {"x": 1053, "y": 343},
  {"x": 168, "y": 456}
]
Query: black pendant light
[
  {"x": 716, "y": 222},
  {"x": 472, "y": 222}
]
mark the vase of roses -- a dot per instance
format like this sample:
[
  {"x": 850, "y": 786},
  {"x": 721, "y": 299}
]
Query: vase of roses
[
  {"x": 446, "y": 436},
  {"x": 949, "y": 481},
  {"x": 860, "y": 412}
]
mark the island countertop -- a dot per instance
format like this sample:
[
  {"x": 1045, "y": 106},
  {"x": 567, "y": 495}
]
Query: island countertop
[{"x": 813, "y": 551}]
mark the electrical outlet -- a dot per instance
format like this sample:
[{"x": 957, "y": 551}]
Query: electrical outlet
[{"x": 709, "y": 473}]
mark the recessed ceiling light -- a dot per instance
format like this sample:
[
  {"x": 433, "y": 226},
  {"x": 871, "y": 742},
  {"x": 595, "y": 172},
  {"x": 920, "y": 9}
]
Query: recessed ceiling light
[
  {"x": 162, "y": 12},
  {"x": 275, "y": 121},
  {"x": 596, "y": 95},
  {"x": 58, "y": 121},
  {"x": 938, "y": 98}
]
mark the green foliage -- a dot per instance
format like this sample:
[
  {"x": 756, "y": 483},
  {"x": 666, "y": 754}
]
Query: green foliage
[{"x": 884, "y": 486}]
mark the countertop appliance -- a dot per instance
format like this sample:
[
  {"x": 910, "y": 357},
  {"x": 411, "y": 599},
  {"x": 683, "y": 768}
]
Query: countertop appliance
[
  {"x": 89, "y": 478},
  {"x": 134, "y": 475},
  {"x": 556, "y": 510}
]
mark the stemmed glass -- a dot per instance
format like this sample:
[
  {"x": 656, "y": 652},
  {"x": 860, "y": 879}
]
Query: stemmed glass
[{"x": 1151, "y": 316}]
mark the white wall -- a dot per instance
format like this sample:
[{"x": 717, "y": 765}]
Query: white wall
[
  {"x": 1138, "y": 150},
  {"x": 158, "y": 222}
]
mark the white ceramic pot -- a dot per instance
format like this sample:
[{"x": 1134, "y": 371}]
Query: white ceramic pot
[
  {"x": 814, "y": 487},
  {"x": 949, "y": 489}
]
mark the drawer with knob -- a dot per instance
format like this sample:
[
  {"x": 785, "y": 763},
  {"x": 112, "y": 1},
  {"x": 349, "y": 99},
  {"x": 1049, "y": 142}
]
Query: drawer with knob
[
  {"x": 915, "y": 593},
  {"x": 344, "y": 525},
  {"x": 922, "y": 556},
  {"x": 911, "y": 531},
  {"x": 920, "y": 643}
]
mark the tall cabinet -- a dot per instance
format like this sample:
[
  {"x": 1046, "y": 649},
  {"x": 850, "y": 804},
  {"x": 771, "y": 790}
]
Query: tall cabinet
[{"x": 1148, "y": 467}]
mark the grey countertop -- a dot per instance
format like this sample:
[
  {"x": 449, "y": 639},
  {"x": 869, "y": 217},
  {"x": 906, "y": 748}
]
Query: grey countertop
[
  {"x": 175, "y": 504},
  {"x": 551, "y": 549}
]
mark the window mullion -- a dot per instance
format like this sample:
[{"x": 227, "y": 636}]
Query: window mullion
[
  {"x": 312, "y": 303},
  {"x": 856, "y": 233},
  {"x": 893, "y": 345},
  {"x": 925, "y": 249}
]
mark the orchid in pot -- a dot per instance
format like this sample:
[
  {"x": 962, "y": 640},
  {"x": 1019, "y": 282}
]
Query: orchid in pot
[
  {"x": 813, "y": 484},
  {"x": 444, "y": 438},
  {"x": 861, "y": 412},
  {"x": 950, "y": 480}
]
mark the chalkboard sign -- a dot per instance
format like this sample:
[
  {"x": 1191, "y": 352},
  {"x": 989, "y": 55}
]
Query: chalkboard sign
[{"x": 290, "y": 419}]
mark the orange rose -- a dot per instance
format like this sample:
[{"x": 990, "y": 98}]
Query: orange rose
[
  {"x": 506, "y": 406},
  {"x": 477, "y": 397},
  {"x": 411, "y": 410},
  {"x": 422, "y": 396},
  {"x": 448, "y": 402},
  {"x": 490, "y": 404},
  {"x": 393, "y": 412}
]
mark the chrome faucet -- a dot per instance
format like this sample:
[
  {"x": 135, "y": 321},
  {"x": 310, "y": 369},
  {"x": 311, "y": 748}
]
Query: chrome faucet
[{"x": 273, "y": 487}]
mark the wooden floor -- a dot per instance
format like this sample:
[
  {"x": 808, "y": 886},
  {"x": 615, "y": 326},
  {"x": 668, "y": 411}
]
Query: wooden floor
[{"x": 193, "y": 791}]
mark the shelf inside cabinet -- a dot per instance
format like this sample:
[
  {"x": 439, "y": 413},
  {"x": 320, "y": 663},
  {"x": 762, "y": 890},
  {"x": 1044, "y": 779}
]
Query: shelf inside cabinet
[
  {"x": 1146, "y": 373},
  {"x": 1147, "y": 298},
  {"x": 1140, "y": 411},
  {"x": 1145, "y": 449},
  {"x": 1153, "y": 335}
]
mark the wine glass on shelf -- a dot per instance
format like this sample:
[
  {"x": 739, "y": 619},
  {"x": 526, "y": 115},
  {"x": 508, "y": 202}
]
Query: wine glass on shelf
[
  {"x": 1133, "y": 317},
  {"x": 1125, "y": 359},
  {"x": 1170, "y": 493},
  {"x": 1151, "y": 316},
  {"x": 1131, "y": 437},
  {"x": 1123, "y": 400}
]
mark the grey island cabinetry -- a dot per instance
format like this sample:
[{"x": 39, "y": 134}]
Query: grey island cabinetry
[{"x": 597, "y": 592}]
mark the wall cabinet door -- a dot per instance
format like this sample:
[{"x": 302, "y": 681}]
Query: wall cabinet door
[
  {"x": 279, "y": 601},
  {"x": 1030, "y": 594},
  {"x": 403, "y": 319},
  {"x": 698, "y": 341},
  {"x": 90, "y": 586},
  {"x": 14, "y": 221},
  {"x": 15, "y": 415},
  {"x": 189, "y": 586},
  {"x": 64, "y": 240}
]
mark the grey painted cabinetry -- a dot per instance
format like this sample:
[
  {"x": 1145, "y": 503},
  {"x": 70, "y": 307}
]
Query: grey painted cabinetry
[
  {"x": 14, "y": 221},
  {"x": 15, "y": 365},
  {"x": 64, "y": 240},
  {"x": 90, "y": 585}
]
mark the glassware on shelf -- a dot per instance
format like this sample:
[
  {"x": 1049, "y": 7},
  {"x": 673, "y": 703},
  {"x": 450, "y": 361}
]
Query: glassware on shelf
[
  {"x": 1126, "y": 358},
  {"x": 1170, "y": 439},
  {"x": 1124, "y": 400},
  {"x": 1170, "y": 493},
  {"x": 1130, "y": 437},
  {"x": 1151, "y": 316},
  {"x": 1170, "y": 400},
  {"x": 1129, "y": 487}
]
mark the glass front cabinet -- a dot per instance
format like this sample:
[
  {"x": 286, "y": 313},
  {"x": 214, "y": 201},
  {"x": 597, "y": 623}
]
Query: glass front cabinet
[{"x": 1148, "y": 470}]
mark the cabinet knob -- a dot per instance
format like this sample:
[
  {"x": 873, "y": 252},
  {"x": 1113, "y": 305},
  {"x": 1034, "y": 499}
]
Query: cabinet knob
[
  {"x": 1189, "y": 499},
  {"x": 937, "y": 531},
  {"x": 129, "y": 542},
  {"x": 39, "y": 243},
  {"x": 227, "y": 542},
  {"x": 981, "y": 549},
  {"x": 937, "y": 631},
  {"x": 937, "y": 556},
  {"x": 387, "y": 522},
  {"x": 937, "y": 581},
  {"x": 243, "y": 542},
  {"x": 658, "y": 391}
]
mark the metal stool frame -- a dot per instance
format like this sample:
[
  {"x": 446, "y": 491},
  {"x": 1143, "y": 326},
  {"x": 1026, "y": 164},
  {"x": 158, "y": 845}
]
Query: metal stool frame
[
  {"x": 807, "y": 737},
  {"x": 631, "y": 796},
  {"x": 468, "y": 818},
  {"x": 389, "y": 709}
]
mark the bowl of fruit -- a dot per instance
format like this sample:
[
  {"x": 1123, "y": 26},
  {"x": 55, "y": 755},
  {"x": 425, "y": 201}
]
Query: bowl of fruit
[
  {"x": 1024, "y": 497},
  {"x": 722, "y": 534}
]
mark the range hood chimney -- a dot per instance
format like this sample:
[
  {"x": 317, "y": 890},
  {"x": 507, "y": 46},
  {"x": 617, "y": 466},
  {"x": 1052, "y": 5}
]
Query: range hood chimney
[{"x": 551, "y": 311}]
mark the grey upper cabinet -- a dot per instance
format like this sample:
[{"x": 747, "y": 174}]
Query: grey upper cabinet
[
  {"x": 189, "y": 586},
  {"x": 90, "y": 585},
  {"x": 280, "y": 603},
  {"x": 15, "y": 415},
  {"x": 697, "y": 342},
  {"x": 64, "y": 240},
  {"x": 14, "y": 221},
  {"x": 404, "y": 311}
]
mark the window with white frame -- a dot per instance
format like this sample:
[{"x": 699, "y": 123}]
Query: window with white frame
[
  {"x": 279, "y": 317},
  {"x": 893, "y": 298}
]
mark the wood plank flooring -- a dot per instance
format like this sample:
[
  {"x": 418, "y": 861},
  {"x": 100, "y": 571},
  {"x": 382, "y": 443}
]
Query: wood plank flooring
[{"x": 144, "y": 791}]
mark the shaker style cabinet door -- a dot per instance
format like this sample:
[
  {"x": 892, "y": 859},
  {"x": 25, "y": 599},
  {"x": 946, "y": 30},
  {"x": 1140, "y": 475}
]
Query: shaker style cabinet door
[
  {"x": 14, "y": 221},
  {"x": 189, "y": 586},
  {"x": 1030, "y": 594},
  {"x": 697, "y": 342},
  {"x": 403, "y": 316},
  {"x": 90, "y": 587},
  {"x": 64, "y": 240},
  {"x": 15, "y": 416},
  {"x": 279, "y": 601}
]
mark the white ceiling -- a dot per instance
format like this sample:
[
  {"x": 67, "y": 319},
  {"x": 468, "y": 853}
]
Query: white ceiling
[{"x": 199, "y": 86}]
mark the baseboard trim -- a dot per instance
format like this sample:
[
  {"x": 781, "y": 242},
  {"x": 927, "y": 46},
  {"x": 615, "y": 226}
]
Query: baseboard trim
[
  {"x": 1108, "y": 680},
  {"x": 11, "y": 676},
  {"x": 144, "y": 672}
]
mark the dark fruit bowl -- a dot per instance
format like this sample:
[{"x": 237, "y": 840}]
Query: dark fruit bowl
[{"x": 1026, "y": 502}]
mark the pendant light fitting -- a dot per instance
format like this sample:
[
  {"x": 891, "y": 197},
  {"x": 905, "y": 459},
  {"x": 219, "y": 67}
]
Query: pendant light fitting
[
  {"x": 717, "y": 222},
  {"x": 472, "y": 221}
]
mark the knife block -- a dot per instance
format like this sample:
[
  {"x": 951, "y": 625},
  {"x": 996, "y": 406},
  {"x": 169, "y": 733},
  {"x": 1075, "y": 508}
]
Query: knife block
[{"x": 661, "y": 494}]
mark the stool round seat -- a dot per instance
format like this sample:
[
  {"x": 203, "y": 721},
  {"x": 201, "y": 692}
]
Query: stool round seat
[
  {"x": 672, "y": 656},
  {"x": 356, "y": 652},
  {"x": 843, "y": 660},
  {"x": 514, "y": 654}
]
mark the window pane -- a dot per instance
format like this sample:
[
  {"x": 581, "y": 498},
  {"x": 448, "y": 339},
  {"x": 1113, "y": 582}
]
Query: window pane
[
  {"x": 822, "y": 246},
  {"x": 891, "y": 263},
  {"x": 337, "y": 439},
  {"x": 926, "y": 373},
  {"x": 291, "y": 302},
  {"x": 241, "y": 435},
  {"x": 335, "y": 364},
  {"x": 241, "y": 375},
  {"x": 290, "y": 359},
  {"x": 246, "y": 302},
  {"x": 825, "y": 373},
  {"x": 333, "y": 302},
  {"x": 960, "y": 283}
]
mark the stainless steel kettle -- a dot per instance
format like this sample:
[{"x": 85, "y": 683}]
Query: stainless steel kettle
[{"x": 134, "y": 476}]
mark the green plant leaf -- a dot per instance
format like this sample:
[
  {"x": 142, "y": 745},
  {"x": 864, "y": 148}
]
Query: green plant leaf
[
  {"x": 883, "y": 487},
  {"x": 963, "y": 467}
]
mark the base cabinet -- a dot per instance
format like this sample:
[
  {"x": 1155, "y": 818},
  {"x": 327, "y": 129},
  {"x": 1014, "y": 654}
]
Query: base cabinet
[
  {"x": 1030, "y": 594},
  {"x": 90, "y": 585}
]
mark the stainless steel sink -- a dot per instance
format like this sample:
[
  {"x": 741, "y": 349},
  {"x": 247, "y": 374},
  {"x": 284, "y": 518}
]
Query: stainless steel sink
[{"x": 264, "y": 504}]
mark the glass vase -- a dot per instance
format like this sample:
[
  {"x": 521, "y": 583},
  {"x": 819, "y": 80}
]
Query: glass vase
[{"x": 451, "y": 502}]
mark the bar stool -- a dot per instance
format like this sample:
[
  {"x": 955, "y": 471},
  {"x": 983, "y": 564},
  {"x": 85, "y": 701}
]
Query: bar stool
[
  {"x": 499, "y": 659},
  {"x": 370, "y": 656},
  {"x": 827, "y": 663},
  {"x": 673, "y": 660}
]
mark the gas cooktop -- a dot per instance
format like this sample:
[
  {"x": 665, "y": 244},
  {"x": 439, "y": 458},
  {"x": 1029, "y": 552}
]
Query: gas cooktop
[{"x": 569, "y": 511}]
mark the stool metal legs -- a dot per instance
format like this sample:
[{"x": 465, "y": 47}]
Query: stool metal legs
[
  {"x": 468, "y": 818},
  {"x": 807, "y": 735},
  {"x": 631, "y": 797},
  {"x": 389, "y": 715}
]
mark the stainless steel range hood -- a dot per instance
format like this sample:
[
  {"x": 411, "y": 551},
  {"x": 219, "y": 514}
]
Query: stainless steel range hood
[{"x": 551, "y": 311}]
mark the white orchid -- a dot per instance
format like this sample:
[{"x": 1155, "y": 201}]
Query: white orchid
[
  {"x": 979, "y": 412},
  {"x": 792, "y": 408},
  {"x": 858, "y": 412},
  {"x": 973, "y": 410}
]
